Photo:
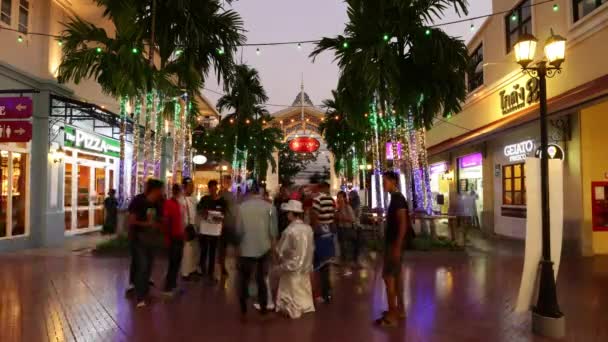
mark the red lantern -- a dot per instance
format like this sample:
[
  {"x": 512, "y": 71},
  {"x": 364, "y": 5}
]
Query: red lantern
[{"x": 304, "y": 145}]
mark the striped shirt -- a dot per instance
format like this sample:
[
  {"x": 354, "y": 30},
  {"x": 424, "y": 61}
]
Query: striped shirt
[{"x": 325, "y": 208}]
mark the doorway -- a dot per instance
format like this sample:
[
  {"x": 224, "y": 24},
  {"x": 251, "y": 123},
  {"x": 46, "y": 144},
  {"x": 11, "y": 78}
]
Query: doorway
[{"x": 87, "y": 181}]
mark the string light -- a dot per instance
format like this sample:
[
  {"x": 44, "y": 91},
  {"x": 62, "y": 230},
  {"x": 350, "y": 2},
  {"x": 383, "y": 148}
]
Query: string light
[
  {"x": 345, "y": 45},
  {"x": 472, "y": 27},
  {"x": 555, "y": 8},
  {"x": 98, "y": 50},
  {"x": 20, "y": 39},
  {"x": 386, "y": 37},
  {"x": 257, "y": 51},
  {"x": 299, "y": 46},
  {"x": 427, "y": 32},
  {"x": 60, "y": 42},
  {"x": 134, "y": 50},
  {"x": 220, "y": 51},
  {"x": 514, "y": 17}
]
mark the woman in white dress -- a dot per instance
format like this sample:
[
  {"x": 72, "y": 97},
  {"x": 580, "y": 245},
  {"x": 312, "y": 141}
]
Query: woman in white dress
[{"x": 295, "y": 256}]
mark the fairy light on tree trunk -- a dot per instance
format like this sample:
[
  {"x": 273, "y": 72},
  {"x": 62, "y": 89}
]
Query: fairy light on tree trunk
[
  {"x": 121, "y": 164},
  {"x": 148, "y": 143},
  {"x": 136, "y": 142}
]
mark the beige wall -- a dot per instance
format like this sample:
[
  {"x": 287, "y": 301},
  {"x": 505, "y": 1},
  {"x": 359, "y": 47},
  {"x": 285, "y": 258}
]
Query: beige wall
[
  {"x": 585, "y": 61},
  {"x": 594, "y": 168}
]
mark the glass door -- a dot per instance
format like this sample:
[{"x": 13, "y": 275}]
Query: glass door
[
  {"x": 83, "y": 196},
  {"x": 99, "y": 195}
]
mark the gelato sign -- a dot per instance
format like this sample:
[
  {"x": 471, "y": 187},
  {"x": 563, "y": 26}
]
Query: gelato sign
[
  {"x": 82, "y": 140},
  {"x": 519, "y": 151},
  {"x": 519, "y": 96}
]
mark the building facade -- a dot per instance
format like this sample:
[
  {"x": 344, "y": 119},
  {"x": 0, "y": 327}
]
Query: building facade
[
  {"x": 484, "y": 147},
  {"x": 46, "y": 195}
]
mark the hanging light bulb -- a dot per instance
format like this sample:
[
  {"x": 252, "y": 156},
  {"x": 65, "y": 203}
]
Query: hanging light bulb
[
  {"x": 555, "y": 8},
  {"x": 514, "y": 17},
  {"x": 20, "y": 39},
  {"x": 134, "y": 50},
  {"x": 98, "y": 50},
  {"x": 257, "y": 51},
  {"x": 299, "y": 46},
  {"x": 345, "y": 45},
  {"x": 386, "y": 37},
  {"x": 60, "y": 42},
  {"x": 427, "y": 32},
  {"x": 220, "y": 51},
  {"x": 472, "y": 27}
]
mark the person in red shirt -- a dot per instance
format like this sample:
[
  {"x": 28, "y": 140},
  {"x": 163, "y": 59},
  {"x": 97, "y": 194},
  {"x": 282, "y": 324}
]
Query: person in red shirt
[{"x": 174, "y": 237}]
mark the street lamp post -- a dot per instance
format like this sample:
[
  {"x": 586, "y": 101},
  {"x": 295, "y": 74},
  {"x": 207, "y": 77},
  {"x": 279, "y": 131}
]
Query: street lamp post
[{"x": 547, "y": 319}]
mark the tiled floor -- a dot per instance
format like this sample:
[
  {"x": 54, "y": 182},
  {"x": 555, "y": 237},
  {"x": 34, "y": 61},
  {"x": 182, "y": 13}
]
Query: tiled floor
[{"x": 450, "y": 297}]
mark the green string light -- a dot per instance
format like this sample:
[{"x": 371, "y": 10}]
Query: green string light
[
  {"x": 134, "y": 50},
  {"x": 386, "y": 37},
  {"x": 427, "y": 32},
  {"x": 98, "y": 50},
  {"x": 345, "y": 45},
  {"x": 20, "y": 39},
  {"x": 514, "y": 17},
  {"x": 555, "y": 8},
  {"x": 220, "y": 51}
]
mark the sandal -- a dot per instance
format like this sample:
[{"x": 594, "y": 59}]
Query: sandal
[
  {"x": 401, "y": 314},
  {"x": 385, "y": 322}
]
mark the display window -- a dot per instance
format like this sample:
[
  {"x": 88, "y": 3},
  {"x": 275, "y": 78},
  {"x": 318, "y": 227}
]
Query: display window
[{"x": 14, "y": 206}]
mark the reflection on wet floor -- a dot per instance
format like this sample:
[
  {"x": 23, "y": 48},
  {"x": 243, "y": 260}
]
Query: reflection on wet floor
[{"x": 450, "y": 296}]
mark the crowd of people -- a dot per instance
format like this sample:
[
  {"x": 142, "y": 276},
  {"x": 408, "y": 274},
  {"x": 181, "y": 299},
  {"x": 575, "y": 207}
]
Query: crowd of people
[{"x": 292, "y": 238}]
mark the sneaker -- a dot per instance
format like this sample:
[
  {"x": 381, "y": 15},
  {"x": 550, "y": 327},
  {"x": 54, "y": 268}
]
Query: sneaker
[
  {"x": 141, "y": 304},
  {"x": 269, "y": 307}
]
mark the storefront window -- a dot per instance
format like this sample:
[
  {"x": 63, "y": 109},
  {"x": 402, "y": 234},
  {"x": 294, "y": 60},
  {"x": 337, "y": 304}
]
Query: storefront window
[
  {"x": 19, "y": 193},
  {"x": 4, "y": 198},
  {"x": 67, "y": 197},
  {"x": 514, "y": 187},
  {"x": 14, "y": 205}
]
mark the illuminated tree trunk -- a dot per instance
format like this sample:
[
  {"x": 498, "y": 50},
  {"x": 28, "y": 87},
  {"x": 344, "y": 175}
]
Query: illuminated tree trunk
[
  {"x": 121, "y": 163},
  {"x": 148, "y": 143},
  {"x": 136, "y": 144}
]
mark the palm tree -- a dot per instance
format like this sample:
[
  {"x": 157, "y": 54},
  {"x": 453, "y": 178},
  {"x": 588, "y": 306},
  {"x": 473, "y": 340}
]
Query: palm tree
[
  {"x": 344, "y": 131},
  {"x": 190, "y": 38},
  {"x": 244, "y": 96},
  {"x": 412, "y": 71}
]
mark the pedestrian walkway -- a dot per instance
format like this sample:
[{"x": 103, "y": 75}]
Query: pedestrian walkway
[{"x": 451, "y": 296}]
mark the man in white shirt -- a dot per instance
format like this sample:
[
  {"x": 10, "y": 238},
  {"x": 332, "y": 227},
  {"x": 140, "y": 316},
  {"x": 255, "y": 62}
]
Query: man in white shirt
[{"x": 191, "y": 257}]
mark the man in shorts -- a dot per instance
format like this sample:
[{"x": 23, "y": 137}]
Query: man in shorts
[{"x": 396, "y": 227}]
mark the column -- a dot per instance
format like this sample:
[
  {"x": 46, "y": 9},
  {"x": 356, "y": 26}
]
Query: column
[{"x": 46, "y": 221}]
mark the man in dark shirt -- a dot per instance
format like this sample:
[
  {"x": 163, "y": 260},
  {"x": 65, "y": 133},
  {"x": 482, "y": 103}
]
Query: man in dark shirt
[
  {"x": 396, "y": 228},
  {"x": 208, "y": 236},
  {"x": 143, "y": 217}
]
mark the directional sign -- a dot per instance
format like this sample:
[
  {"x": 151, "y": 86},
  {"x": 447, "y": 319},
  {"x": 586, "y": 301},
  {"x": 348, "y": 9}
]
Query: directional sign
[
  {"x": 15, "y": 131},
  {"x": 15, "y": 108}
]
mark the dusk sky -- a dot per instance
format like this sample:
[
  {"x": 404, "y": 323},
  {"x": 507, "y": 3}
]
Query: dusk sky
[{"x": 281, "y": 67}]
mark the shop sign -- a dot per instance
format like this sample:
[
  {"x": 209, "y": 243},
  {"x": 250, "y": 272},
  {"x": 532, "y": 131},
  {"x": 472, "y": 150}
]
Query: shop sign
[
  {"x": 519, "y": 97},
  {"x": 438, "y": 168},
  {"x": 554, "y": 151},
  {"x": 519, "y": 151},
  {"x": 472, "y": 160},
  {"x": 86, "y": 141},
  {"x": 15, "y": 107},
  {"x": 304, "y": 145},
  {"x": 15, "y": 131},
  {"x": 390, "y": 153}
]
